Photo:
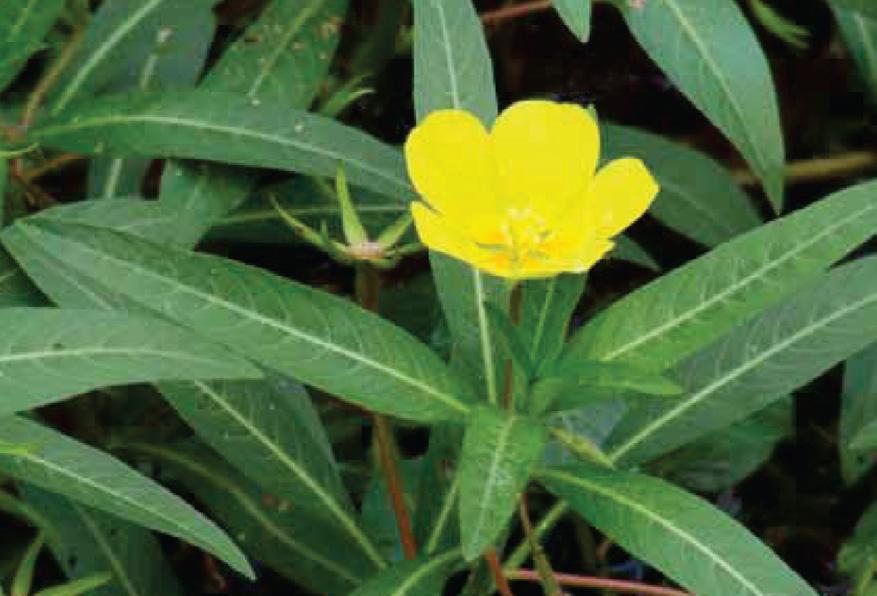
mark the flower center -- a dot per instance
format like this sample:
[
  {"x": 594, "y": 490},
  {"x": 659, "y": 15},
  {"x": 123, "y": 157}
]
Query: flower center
[{"x": 524, "y": 232}]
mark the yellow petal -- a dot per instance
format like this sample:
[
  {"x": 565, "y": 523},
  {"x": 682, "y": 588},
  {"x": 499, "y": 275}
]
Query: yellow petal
[
  {"x": 439, "y": 233},
  {"x": 546, "y": 154},
  {"x": 619, "y": 195},
  {"x": 450, "y": 163}
]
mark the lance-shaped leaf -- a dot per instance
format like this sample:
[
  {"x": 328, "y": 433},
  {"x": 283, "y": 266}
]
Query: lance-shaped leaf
[
  {"x": 272, "y": 530},
  {"x": 282, "y": 57},
  {"x": 425, "y": 576},
  {"x": 452, "y": 69},
  {"x": 858, "y": 413},
  {"x": 710, "y": 52},
  {"x": 859, "y": 31},
  {"x": 865, "y": 7},
  {"x": 49, "y": 354},
  {"x": 229, "y": 128},
  {"x": 676, "y": 315},
  {"x": 698, "y": 197},
  {"x": 64, "y": 466},
  {"x": 577, "y": 16},
  {"x": 499, "y": 453},
  {"x": 23, "y": 25},
  {"x": 685, "y": 537},
  {"x": 760, "y": 362},
  {"x": 546, "y": 309},
  {"x": 270, "y": 431},
  {"x": 304, "y": 333},
  {"x": 85, "y": 541}
]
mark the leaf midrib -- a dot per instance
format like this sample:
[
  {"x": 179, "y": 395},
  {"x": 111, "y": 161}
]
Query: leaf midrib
[
  {"x": 77, "y": 352},
  {"x": 734, "y": 374},
  {"x": 498, "y": 455},
  {"x": 412, "y": 580},
  {"x": 665, "y": 523},
  {"x": 120, "y": 572}
]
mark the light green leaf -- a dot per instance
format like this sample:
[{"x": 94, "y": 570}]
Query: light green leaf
[
  {"x": 274, "y": 531},
  {"x": 23, "y": 25},
  {"x": 499, "y": 453},
  {"x": 710, "y": 52},
  {"x": 577, "y": 16},
  {"x": 512, "y": 340},
  {"x": 164, "y": 51},
  {"x": 86, "y": 475},
  {"x": 50, "y": 354},
  {"x": 118, "y": 30},
  {"x": 860, "y": 551},
  {"x": 452, "y": 69},
  {"x": 760, "y": 362},
  {"x": 270, "y": 432},
  {"x": 858, "y": 412},
  {"x": 283, "y": 57},
  {"x": 674, "y": 316},
  {"x": 866, "y": 7},
  {"x": 15, "y": 288},
  {"x": 859, "y": 31},
  {"x": 23, "y": 579},
  {"x": 721, "y": 460},
  {"x": 685, "y": 537},
  {"x": 425, "y": 576},
  {"x": 546, "y": 309},
  {"x": 304, "y": 333},
  {"x": 85, "y": 541},
  {"x": 86, "y": 585},
  {"x": 698, "y": 197},
  {"x": 628, "y": 250},
  {"x": 229, "y": 128}
]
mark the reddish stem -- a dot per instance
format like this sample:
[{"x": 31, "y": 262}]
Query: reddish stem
[
  {"x": 511, "y": 12},
  {"x": 616, "y": 585},
  {"x": 502, "y": 583}
]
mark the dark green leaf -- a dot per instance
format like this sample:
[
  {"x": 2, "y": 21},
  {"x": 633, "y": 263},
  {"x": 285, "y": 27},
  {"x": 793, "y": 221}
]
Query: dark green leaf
[
  {"x": 577, "y": 16},
  {"x": 866, "y": 7},
  {"x": 50, "y": 354},
  {"x": 760, "y": 362},
  {"x": 547, "y": 307},
  {"x": 859, "y": 31},
  {"x": 499, "y": 453},
  {"x": 858, "y": 412},
  {"x": 683, "y": 536},
  {"x": 23, "y": 25},
  {"x": 15, "y": 288},
  {"x": 710, "y": 52},
  {"x": 304, "y": 333},
  {"x": 425, "y": 576},
  {"x": 674, "y": 316},
  {"x": 63, "y": 466},
  {"x": 511, "y": 339}
]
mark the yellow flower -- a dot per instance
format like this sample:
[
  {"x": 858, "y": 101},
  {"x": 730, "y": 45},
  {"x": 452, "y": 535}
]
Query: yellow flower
[{"x": 523, "y": 200}]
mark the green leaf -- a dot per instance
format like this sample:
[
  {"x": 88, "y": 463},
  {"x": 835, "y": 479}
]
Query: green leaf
[
  {"x": 685, "y": 537},
  {"x": 283, "y": 57},
  {"x": 23, "y": 25},
  {"x": 760, "y": 362},
  {"x": 499, "y": 453},
  {"x": 577, "y": 16},
  {"x": 304, "y": 333},
  {"x": 860, "y": 551},
  {"x": 23, "y": 580},
  {"x": 274, "y": 531},
  {"x": 858, "y": 412},
  {"x": 166, "y": 50},
  {"x": 86, "y": 350},
  {"x": 425, "y": 576},
  {"x": 676, "y": 315},
  {"x": 511, "y": 339},
  {"x": 118, "y": 31},
  {"x": 721, "y": 460},
  {"x": 628, "y": 250},
  {"x": 866, "y": 7},
  {"x": 86, "y": 585},
  {"x": 710, "y": 52},
  {"x": 225, "y": 127},
  {"x": 270, "y": 432},
  {"x": 86, "y": 475},
  {"x": 452, "y": 69},
  {"x": 85, "y": 541},
  {"x": 698, "y": 197},
  {"x": 546, "y": 309},
  {"x": 15, "y": 288},
  {"x": 568, "y": 388},
  {"x": 859, "y": 31}
]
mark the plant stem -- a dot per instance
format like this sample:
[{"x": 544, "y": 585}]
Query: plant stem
[
  {"x": 51, "y": 165},
  {"x": 502, "y": 583},
  {"x": 514, "y": 11},
  {"x": 520, "y": 554},
  {"x": 368, "y": 288},
  {"x": 515, "y": 302},
  {"x": 540, "y": 558},
  {"x": 51, "y": 77},
  {"x": 581, "y": 581},
  {"x": 821, "y": 168}
]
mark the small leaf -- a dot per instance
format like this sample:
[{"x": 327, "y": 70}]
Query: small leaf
[
  {"x": 859, "y": 31},
  {"x": 866, "y": 7},
  {"x": 511, "y": 338},
  {"x": 546, "y": 309},
  {"x": 23, "y": 580},
  {"x": 23, "y": 25},
  {"x": 858, "y": 412},
  {"x": 84, "y": 474},
  {"x": 86, "y": 585},
  {"x": 15, "y": 288},
  {"x": 86, "y": 350},
  {"x": 577, "y": 16},
  {"x": 425, "y": 576},
  {"x": 710, "y": 52},
  {"x": 683, "y": 536},
  {"x": 499, "y": 453}
]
